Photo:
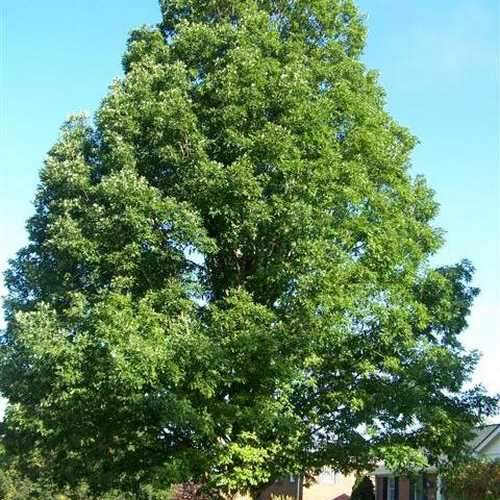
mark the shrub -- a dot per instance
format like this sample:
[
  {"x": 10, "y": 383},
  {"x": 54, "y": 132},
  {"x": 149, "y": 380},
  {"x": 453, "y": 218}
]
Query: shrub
[{"x": 363, "y": 489}]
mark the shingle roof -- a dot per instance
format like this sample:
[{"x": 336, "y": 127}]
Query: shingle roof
[
  {"x": 482, "y": 435},
  {"x": 342, "y": 497}
]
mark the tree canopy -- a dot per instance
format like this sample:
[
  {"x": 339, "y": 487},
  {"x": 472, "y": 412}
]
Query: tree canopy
[{"x": 228, "y": 271}]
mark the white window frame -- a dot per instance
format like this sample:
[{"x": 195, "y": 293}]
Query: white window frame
[
  {"x": 328, "y": 476},
  {"x": 391, "y": 488}
]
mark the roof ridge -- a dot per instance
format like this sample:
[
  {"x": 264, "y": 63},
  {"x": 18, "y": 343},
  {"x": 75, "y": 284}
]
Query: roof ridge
[{"x": 485, "y": 438}]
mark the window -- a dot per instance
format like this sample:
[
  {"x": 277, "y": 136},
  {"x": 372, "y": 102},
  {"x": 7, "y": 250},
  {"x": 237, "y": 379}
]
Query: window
[
  {"x": 328, "y": 476},
  {"x": 418, "y": 489},
  {"x": 391, "y": 488}
]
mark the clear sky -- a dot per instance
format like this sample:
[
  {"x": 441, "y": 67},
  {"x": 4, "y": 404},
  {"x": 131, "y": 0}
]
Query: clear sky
[{"x": 438, "y": 61}]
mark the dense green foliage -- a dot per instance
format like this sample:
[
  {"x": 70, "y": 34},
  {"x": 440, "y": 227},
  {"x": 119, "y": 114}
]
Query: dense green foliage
[
  {"x": 473, "y": 479},
  {"x": 227, "y": 277},
  {"x": 363, "y": 489},
  {"x": 37, "y": 484}
]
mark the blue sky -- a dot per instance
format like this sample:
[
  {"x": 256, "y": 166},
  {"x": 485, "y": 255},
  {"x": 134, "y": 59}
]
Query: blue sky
[{"x": 438, "y": 62}]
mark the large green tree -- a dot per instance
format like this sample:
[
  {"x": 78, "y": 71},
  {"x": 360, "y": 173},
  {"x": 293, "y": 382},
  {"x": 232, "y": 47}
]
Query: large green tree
[{"x": 228, "y": 275}]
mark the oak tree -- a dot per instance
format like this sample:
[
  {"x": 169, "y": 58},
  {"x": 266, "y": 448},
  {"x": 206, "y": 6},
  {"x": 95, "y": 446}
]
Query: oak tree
[{"x": 228, "y": 271}]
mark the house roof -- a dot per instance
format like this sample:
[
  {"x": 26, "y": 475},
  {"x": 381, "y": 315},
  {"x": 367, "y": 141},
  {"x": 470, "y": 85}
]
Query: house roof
[
  {"x": 484, "y": 435},
  {"x": 342, "y": 497}
]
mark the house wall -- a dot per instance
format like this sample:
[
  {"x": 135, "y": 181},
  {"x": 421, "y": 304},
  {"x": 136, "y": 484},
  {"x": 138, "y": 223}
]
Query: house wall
[
  {"x": 404, "y": 488},
  {"x": 284, "y": 487},
  {"x": 379, "y": 488},
  {"x": 328, "y": 489}
]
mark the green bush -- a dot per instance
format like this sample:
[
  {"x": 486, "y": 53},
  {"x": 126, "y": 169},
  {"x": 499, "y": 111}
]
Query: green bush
[
  {"x": 474, "y": 479},
  {"x": 14, "y": 486},
  {"x": 363, "y": 489}
]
